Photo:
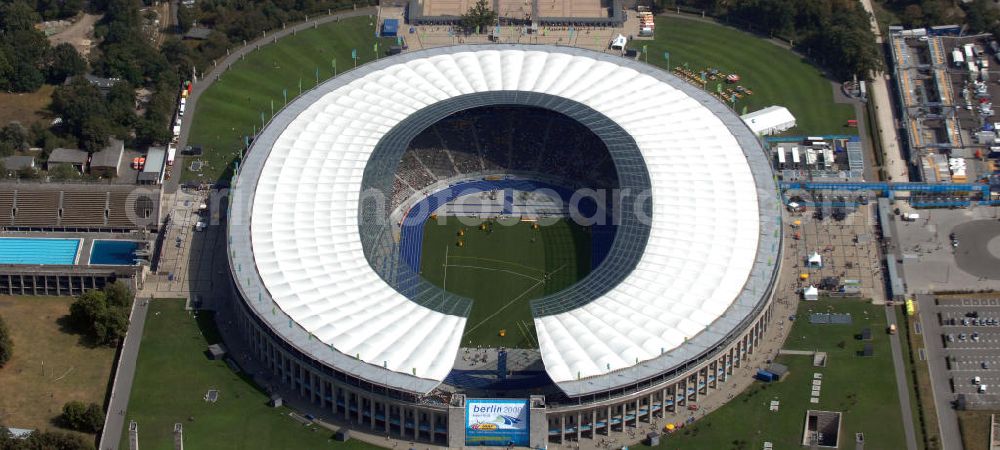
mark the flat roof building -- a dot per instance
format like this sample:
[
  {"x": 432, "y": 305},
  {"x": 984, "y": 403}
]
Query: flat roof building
[
  {"x": 105, "y": 163},
  {"x": 152, "y": 173},
  {"x": 68, "y": 156},
  {"x": 18, "y": 162}
]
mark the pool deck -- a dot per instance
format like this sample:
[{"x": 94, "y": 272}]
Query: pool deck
[{"x": 83, "y": 256}]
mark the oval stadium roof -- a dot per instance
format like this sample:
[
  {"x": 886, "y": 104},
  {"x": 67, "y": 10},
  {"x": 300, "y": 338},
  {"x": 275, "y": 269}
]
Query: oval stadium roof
[{"x": 298, "y": 260}]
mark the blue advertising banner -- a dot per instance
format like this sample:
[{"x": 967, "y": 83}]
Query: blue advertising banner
[{"x": 496, "y": 422}]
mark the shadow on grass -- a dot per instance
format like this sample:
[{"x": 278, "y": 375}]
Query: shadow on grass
[{"x": 210, "y": 331}]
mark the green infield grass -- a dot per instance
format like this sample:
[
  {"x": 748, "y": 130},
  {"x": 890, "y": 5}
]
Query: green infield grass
[
  {"x": 173, "y": 376},
  {"x": 503, "y": 268}
]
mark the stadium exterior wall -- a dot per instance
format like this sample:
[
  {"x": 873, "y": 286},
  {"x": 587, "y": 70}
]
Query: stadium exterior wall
[{"x": 439, "y": 419}]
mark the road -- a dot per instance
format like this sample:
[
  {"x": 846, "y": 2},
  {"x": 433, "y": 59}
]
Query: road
[
  {"x": 114, "y": 422},
  {"x": 902, "y": 386},
  {"x": 885, "y": 121}
]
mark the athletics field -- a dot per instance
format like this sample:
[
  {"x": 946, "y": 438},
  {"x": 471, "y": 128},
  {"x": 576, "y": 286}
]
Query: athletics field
[{"x": 503, "y": 268}]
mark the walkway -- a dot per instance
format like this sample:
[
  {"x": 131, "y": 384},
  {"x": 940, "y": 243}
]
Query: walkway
[
  {"x": 114, "y": 422},
  {"x": 902, "y": 386},
  {"x": 885, "y": 121}
]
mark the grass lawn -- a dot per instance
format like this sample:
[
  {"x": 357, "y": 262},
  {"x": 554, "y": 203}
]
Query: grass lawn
[
  {"x": 50, "y": 366},
  {"x": 172, "y": 376},
  {"x": 232, "y": 106},
  {"x": 864, "y": 389},
  {"x": 516, "y": 262},
  {"x": 25, "y": 108},
  {"x": 775, "y": 75},
  {"x": 975, "y": 426}
]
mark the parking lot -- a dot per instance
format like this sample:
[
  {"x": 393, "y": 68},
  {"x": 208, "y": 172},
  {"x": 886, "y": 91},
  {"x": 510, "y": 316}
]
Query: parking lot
[{"x": 966, "y": 336}]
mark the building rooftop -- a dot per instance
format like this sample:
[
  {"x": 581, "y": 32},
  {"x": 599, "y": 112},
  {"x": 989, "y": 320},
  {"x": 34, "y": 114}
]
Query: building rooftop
[
  {"x": 68, "y": 155},
  {"x": 18, "y": 162},
  {"x": 110, "y": 156}
]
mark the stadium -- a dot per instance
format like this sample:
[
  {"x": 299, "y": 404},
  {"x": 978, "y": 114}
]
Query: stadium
[{"x": 562, "y": 239}]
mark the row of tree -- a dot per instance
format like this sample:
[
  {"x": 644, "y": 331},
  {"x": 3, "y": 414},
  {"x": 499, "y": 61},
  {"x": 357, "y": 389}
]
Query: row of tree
[
  {"x": 43, "y": 440},
  {"x": 835, "y": 33},
  {"x": 982, "y": 16}
]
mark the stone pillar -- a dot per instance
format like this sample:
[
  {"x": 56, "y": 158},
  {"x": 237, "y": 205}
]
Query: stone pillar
[
  {"x": 456, "y": 421},
  {"x": 539, "y": 422},
  {"x": 386, "y": 415},
  {"x": 371, "y": 413}
]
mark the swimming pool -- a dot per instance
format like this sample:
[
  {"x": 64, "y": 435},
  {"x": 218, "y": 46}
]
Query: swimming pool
[
  {"x": 112, "y": 252},
  {"x": 39, "y": 251}
]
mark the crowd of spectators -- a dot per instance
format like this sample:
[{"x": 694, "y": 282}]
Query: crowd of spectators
[{"x": 507, "y": 138}]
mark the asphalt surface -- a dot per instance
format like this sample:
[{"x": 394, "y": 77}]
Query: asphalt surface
[
  {"x": 114, "y": 422},
  {"x": 951, "y": 436},
  {"x": 973, "y": 253},
  {"x": 902, "y": 385}
]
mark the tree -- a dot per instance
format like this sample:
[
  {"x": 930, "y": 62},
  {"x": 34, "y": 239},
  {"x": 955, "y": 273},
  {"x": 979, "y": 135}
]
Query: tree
[
  {"x": 981, "y": 15},
  {"x": 119, "y": 295},
  {"x": 6, "y": 344},
  {"x": 17, "y": 15},
  {"x": 480, "y": 17},
  {"x": 64, "y": 62},
  {"x": 13, "y": 137},
  {"x": 186, "y": 16},
  {"x": 48, "y": 440},
  {"x": 913, "y": 16},
  {"x": 102, "y": 315},
  {"x": 63, "y": 172},
  {"x": 80, "y": 417}
]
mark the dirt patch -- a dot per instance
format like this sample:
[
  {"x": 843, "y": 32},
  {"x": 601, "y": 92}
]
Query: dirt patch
[
  {"x": 25, "y": 108},
  {"x": 79, "y": 35}
]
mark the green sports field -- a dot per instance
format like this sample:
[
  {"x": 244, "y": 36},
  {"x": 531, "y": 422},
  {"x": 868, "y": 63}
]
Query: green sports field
[
  {"x": 776, "y": 75},
  {"x": 231, "y": 108},
  {"x": 502, "y": 269}
]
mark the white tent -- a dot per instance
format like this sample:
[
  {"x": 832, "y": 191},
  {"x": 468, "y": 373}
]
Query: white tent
[
  {"x": 810, "y": 293},
  {"x": 770, "y": 120},
  {"x": 618, "y": 43},
  {"x": 815, "y": 260}
]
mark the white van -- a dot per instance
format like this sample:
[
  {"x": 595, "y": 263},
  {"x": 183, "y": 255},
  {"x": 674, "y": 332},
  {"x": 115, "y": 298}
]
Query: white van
[
  {"x": 982, "y": 388},
  {"x": 976, "y": 380}
]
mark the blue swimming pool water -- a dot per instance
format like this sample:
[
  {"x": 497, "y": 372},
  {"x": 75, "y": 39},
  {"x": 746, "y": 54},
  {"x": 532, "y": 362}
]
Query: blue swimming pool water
[
  {"x": 38, "y": 251},
  {"x": 119, "y": 253}
]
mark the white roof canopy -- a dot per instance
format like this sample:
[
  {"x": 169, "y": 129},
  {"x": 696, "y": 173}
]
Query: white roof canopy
[{"x": 300, "y": 187}]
